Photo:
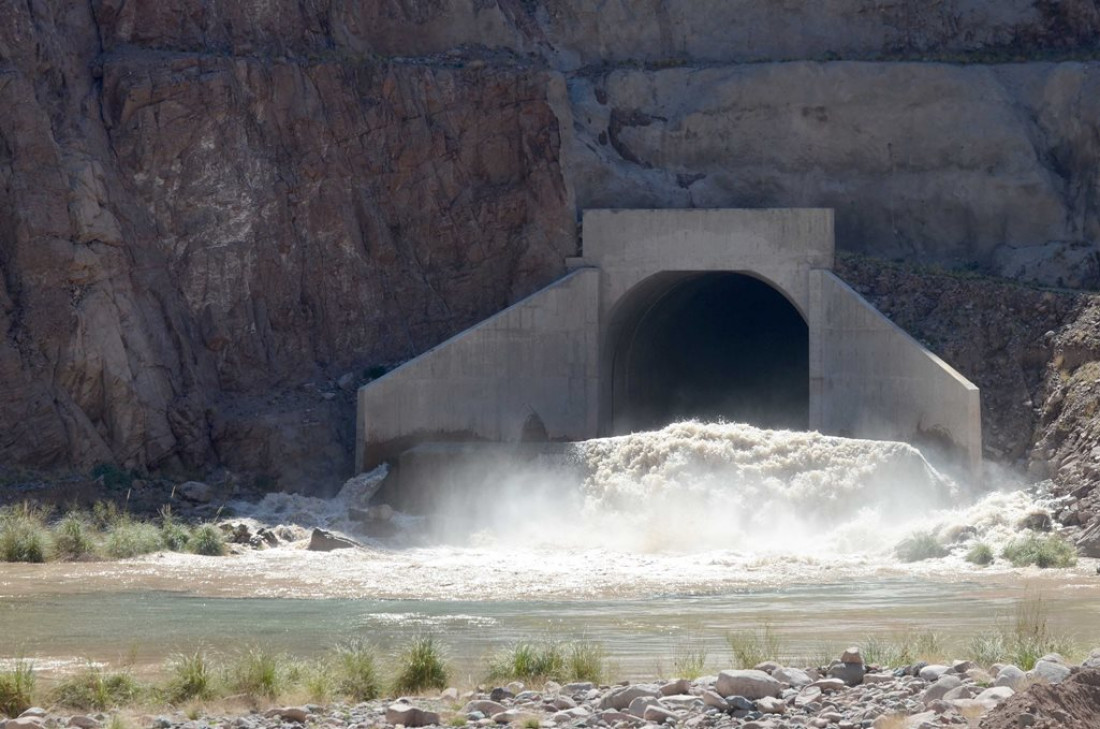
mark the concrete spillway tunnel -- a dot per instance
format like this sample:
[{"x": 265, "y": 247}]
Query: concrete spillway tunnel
[
  {"x": 673, "y": 314},
  {"x": 709, "y": 346}
]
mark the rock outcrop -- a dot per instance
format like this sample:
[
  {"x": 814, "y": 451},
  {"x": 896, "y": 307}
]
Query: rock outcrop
[{"x": 218, "y": 217}]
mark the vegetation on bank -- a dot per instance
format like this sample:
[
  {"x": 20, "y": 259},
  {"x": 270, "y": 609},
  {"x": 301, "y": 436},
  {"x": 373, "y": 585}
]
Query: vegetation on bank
[
  {"x": 33, "y": 534},
  {"x": 355, "y": 672}
]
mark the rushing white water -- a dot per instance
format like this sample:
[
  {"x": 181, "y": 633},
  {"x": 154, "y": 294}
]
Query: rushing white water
[{"x": 695, "y": 507}]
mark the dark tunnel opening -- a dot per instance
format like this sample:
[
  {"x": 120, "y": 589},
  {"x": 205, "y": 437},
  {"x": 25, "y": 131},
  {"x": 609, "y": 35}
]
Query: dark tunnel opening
[{"x": 710, "y": 346}]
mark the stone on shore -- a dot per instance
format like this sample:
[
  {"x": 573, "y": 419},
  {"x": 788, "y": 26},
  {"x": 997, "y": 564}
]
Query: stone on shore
[
  {"x": 1049, "y": 671},
  {"x": 402, "y": 712},
  {"x": 1010, "y": 676},
  {"x": 751, "y": 684},
  {"x": 620, "y": 698}
]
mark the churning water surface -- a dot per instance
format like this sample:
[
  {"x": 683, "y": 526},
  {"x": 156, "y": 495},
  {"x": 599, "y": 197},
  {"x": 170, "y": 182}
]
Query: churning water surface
[{"x": 646, "y": 543}]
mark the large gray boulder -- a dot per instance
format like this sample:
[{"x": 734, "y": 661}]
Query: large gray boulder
[{"x": 751, "y": 684}]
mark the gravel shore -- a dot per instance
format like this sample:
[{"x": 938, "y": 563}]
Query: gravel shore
[{"x": 845, "y": 695}]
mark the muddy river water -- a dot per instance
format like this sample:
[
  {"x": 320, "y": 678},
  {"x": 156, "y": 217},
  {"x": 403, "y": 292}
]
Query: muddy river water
[{"x": 673, "y": 540}]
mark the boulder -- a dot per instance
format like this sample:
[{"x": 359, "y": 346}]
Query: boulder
[
  {"x": 1011, "y": 677},
  {"x": 939, "y": 689},
  {"x": 638, "y": 706},
  {"x": 1088, "y": 544},
  {"x": 621, "y": 697},
  {"x": 851, "y": 655},
  {"x": 485, "y": 706},
  {"x": 850, "y": 673},
  {"x": 659, "y": 714},
  {"x": 682, "y": 686},
  {"x": 1049, "y": 671},
  {"x": 710, "y": 698},
  {"x": 405, "y": 713},
  {"x": 325, "y": 541},
  {"x": 293, "y": 713},
  {"x": 196, "y": 491},
  {"x": 771, "y": 705},
  {"x": 795, "y": 677},
  {"x": 932, "y": 672},
  {"x": 751, "y": 684},
  {"x": 995, "y": 693}
]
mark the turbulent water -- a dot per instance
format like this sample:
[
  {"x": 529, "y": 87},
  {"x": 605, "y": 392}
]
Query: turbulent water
[
  {"x": 643, "y": 540},
  {"x": 695, "y": 507}
]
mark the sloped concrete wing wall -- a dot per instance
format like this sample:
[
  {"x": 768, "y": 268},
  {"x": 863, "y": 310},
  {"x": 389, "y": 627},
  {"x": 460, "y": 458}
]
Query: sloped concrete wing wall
[
  {"x": 538, "y": 357},
  {"x": 870, "y": 379}
]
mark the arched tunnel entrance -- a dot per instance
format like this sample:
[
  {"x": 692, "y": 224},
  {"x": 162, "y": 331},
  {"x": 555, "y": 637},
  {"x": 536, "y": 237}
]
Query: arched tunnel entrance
[{"x": 713, "y": 345}]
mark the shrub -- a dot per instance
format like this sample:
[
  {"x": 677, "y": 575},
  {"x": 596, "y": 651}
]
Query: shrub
[
  {"x": 72, "y": 538},
  {"x": 207, "y": 539},
  {"x": 17, "y": 688},
  {"x": 173, "y": 535},
  {"x": 128, "y": 538},
  {"x": 904, "y": 649},
  {"x": 1023, "y": 641},
  {"x": 191, "y": 678},
  {"x": 358, "y": 679},
  {"x": 528, "y": 661},
  {"x": 318, "y": 680},
  {"x": 23, "y": 534},
  {"x": 980, "y": 554},
  {"x": 920, "y": 546},
  {"x": 1041, "y": 551},
  {"x": 421, "y": 666},
  {"x": 257, "y": 673},
  {"x": 754, "y": 646},
  {"x": 988, "y": 647},
  {"x": 587, "y": 661},
  {"x": 689, "y": 661},
  {"x": 94, "y": 688}
]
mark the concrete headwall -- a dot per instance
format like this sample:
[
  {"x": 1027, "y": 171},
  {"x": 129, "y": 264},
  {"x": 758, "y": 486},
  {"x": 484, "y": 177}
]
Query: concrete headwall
[
  {"x": 538, "y": 356},
  {"x": 780, "y": 246},
  {"x": 870, "y": 379}
]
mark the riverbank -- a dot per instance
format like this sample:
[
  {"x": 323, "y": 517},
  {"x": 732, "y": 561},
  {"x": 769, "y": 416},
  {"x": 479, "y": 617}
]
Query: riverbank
[{"x": 852, "y": 690}]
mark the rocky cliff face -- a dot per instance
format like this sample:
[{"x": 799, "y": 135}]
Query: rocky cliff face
[{"x": 215, "y": 215}]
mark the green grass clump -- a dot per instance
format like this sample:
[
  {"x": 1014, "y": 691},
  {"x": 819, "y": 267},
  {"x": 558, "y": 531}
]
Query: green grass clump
[
  {"x": 421, "y": 666},
  {"x": 750, "y": 647},
  {"x": 356, "y": 672},
  {"x": 23, "y": 534},
  {"x": 1023, "y": 641},
  {"x": 128, "y": 538},
  {"x": 1041, "y": 551},
  {"x": 689, "y": 660},
  {"x": 208, "y": 540},
  {"x": 980, "y": 554},
  {"x": 920, "y": 546},
  {"x": 17, "y": 688},
  {"x": 587, "y": 661},
  {"x": 173, "y": 535},
  {"x": 95, "y": 688},
  {"x": 257, "y": 673},
  {"x": 191, "y": 677},
  {"x": 73, "y": 537},
  {"x": 528, "y": 661},
  {"x": 904, "y": 649}
]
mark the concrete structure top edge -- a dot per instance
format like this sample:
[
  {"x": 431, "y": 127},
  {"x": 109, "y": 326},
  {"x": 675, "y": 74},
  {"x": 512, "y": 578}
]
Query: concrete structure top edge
[
  {"x": 569, "y": 276},
  {"x": 966, "y": 383}
]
